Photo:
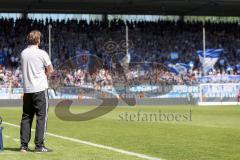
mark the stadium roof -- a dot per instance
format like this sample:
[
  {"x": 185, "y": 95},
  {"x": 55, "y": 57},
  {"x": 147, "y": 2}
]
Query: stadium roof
[{"x": 158, "y": 7}]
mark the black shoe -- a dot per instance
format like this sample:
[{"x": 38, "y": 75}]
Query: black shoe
[
  {"x": 42, "y": 150},
  {"x": 23, "y": 149}
]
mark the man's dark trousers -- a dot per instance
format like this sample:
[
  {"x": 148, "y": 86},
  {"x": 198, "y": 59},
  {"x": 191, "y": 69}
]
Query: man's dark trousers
[{"x": 34, "y": 104}]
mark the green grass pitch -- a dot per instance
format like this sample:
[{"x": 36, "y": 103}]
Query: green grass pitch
[{"x": 213, "y": 133}]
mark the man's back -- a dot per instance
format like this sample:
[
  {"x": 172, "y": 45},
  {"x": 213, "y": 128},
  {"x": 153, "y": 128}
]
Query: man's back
[
  {"x": 35, "y": 100},
  {"x": 34, "y": 61}
]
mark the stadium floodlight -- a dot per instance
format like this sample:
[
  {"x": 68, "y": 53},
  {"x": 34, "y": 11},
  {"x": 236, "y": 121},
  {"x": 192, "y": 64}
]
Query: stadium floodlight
[
  {"x": 49, "y": 40},
  {"x": 204, "y": 47}
]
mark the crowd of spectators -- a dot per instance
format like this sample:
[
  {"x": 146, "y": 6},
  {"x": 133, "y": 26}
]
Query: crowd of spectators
[
  {"x": 133, "y": 77},
  {"x": 150, "y": 42}
]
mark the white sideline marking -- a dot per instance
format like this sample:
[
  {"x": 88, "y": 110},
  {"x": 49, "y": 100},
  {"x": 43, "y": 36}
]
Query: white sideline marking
[{"x": 143, "y": 156}]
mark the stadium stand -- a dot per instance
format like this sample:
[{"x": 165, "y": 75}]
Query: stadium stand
[{"x": 152, "y": 42}]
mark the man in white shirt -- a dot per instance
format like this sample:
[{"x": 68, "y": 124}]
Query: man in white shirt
[{"x": 36, "y": 66}]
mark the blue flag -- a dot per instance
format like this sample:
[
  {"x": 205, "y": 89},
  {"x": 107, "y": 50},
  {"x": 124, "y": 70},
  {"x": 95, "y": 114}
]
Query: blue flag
[
  {"x": 211, "y": 57},
  {"x": 179, "y": 68}
]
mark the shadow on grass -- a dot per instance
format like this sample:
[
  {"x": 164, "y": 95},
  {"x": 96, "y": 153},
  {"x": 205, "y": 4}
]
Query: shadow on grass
[{"x": 16, "y": 150}]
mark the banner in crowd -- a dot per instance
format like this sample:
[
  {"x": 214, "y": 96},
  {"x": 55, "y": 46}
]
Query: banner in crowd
[
  {"x": 177, "y": 91},
  {"x": 219, "y": 79},
  {"x": 14, "y": 93},
  {"x": 223, "y": 91}
]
